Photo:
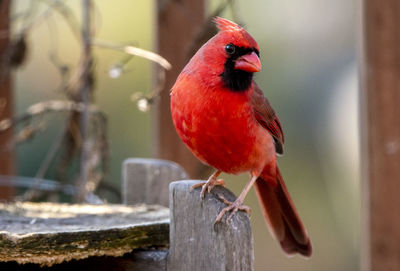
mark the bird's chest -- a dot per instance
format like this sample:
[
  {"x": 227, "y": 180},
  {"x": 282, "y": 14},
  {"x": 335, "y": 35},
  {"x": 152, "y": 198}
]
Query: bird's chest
[
  {"x": 220, "y": 130},
  {"x": 228, "y": 122}
]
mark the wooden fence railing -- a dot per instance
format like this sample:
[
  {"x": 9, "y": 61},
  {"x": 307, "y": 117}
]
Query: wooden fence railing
[{"x": 123, "y": 237}]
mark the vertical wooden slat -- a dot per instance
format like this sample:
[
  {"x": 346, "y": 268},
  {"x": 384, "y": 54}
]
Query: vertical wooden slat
[
  {"x": 196, "y": 244},
  {"x": 381, "y": 110},
  {"x": 147, "y": 180},
  {"x": 6, "y": 101},
  {"x": 178, "y": 23}
]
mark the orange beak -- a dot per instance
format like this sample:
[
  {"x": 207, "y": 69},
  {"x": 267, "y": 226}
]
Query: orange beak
[{"x": 249, "y": 63}]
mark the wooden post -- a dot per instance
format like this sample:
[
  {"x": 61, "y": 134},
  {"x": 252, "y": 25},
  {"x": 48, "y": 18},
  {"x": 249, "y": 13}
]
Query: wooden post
[
  {"x": 40, "y": 233},
  {"x": 178, "y": 23},
  {"x": 6, "y": 101},
  {"x": 381, "y": 135},
  {"x": 195, "y": 244},
  {"x": 147, "y": 180}
]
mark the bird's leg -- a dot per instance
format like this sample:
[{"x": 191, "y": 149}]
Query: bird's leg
[
  {"x": 237, "y": 205},
  {"x": 211, "y": 182}
]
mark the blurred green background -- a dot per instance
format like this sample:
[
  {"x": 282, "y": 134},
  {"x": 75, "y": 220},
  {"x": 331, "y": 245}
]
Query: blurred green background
[{"x": 309, "y": 75}]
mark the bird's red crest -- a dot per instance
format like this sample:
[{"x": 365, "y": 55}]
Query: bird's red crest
[{"x": 226, "y": 25}]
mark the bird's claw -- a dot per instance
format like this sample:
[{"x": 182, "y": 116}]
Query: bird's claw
[
  {"x": 197, "y": 185},
  {"x": 232, "y": 207},
  {"x": 208, "y": 186}
]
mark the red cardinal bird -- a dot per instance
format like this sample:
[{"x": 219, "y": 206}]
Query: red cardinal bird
[{"x": 223, "y": 117}]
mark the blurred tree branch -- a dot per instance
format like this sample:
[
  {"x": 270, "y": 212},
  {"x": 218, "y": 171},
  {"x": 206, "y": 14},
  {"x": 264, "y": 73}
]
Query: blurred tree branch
[{"x": 85, "y": 97}]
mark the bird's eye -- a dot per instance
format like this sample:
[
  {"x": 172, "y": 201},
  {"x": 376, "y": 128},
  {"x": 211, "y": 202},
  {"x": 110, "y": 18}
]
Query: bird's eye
[{"x": 230, "y": 49}]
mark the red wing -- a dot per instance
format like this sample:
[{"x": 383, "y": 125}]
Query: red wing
[{"x": 266, "y": 116}]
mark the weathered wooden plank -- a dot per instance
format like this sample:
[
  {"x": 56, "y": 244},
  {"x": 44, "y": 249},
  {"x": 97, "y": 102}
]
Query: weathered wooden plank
[
  {"x": 381, "y": 135},
  {"x": 137, "y": 260},
  {"x": 48, "y": 233},
  {"x": 147, "y": 180},
  {"x": 195, "y": 245}
]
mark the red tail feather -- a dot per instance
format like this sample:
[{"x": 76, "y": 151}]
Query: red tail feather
[{"x": 282, "y": 218}]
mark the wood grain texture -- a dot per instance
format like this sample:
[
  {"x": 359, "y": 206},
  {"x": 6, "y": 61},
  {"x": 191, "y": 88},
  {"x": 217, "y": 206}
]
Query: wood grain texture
[
  {"x": 146, "y": 181},
  {"x": 178, "y": 23},
  {"x": 195, "y": 245},
  {"x": 49, "y": 233},
  {"x": 381, "y": 140}
]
